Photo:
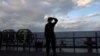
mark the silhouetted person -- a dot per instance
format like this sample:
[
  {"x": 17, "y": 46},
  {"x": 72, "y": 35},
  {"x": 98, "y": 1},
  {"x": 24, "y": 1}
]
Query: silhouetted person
[{"x": 50, "y": 36}]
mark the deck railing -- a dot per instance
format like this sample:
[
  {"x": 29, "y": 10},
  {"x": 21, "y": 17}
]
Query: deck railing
[{"x": 35, "y": 42}]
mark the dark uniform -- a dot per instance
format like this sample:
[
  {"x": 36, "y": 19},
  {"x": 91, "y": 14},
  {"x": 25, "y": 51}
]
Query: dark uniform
[{"x": 50, "y": 36}]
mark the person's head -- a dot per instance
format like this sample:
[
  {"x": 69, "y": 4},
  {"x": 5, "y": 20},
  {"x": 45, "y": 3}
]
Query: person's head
[{"x": 50, "y": 19}]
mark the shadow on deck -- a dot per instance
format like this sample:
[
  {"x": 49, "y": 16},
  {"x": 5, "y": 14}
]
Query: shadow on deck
[{"x": 25, "y": 53}]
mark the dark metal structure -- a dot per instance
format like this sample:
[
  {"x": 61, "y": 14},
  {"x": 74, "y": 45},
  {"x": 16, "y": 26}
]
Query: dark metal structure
[
  {"x": 24, "y": 38},
  {"x": 8, "y": 38}
]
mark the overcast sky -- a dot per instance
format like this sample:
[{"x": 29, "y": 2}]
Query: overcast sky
[{"x": 73, "y": 15}]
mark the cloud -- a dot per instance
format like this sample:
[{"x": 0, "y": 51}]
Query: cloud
[
  {"x": 23, "y": 2},
  {"x": 4, "y": 3},
  {"x": 83, "y": 23},
  {"x": 17, "y": 14},
  {"x": 82, "y": 3},
  {"x": 79, "y": 26},
  {"x": 89, "y": 16}
]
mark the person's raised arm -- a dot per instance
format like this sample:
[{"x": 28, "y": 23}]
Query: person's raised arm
[{"x": 55, "y": 20}]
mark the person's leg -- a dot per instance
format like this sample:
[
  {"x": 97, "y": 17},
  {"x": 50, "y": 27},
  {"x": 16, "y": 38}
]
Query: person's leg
[
  {"x": 53, "y": 43},
  {"x": 0, "y": 44},
  {"x": 47, "y": 47}
]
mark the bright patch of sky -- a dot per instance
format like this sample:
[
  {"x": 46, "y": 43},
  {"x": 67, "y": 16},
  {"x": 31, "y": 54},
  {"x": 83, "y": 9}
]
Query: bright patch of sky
[{"x": 84, "y": 11}]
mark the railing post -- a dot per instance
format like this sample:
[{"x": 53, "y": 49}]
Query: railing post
[
  {"x": 96, "y": 35},
  {"x": 74, "y": 41}
]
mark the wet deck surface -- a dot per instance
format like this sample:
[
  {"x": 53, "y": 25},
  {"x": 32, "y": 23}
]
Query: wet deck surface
[{"x": 20, "y": 53}]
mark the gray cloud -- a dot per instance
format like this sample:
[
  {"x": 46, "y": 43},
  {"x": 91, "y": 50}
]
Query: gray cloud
[{"x": 17, "y": 14}]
